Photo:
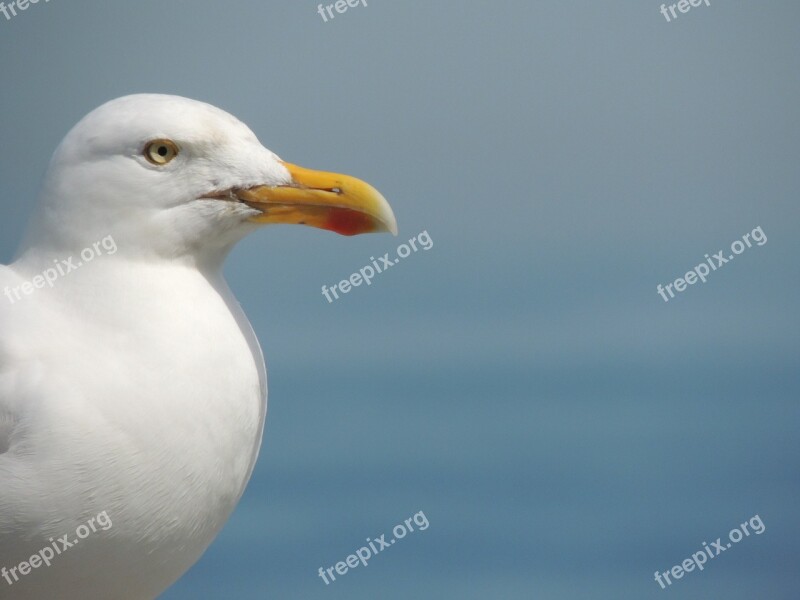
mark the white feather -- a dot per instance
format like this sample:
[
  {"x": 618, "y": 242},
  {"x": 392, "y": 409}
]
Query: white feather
[{"x": 134, "y": 385}]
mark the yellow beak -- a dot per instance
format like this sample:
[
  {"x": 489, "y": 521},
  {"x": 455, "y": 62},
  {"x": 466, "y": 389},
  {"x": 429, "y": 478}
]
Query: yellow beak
[{"x": 329, "y": 201}]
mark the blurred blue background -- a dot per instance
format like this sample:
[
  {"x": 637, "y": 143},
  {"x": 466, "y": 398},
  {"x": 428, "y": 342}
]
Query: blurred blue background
[{"x": 565, "y": 431}]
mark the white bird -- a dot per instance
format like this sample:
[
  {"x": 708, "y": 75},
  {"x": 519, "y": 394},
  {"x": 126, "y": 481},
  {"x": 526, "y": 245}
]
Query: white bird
[{"x": 132, "y": 387}]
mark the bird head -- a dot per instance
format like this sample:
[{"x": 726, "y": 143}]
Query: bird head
[{"x": 177, "y": 177}]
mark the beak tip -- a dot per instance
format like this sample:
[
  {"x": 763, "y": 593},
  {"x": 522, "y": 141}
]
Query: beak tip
[{"x": 386, "y": 215}]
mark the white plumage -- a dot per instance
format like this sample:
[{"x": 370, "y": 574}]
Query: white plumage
[{"x": 134, "y": 386}]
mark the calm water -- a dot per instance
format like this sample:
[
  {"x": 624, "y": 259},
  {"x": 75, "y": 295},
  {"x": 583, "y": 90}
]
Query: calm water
[{"x": 574, "y": 484}]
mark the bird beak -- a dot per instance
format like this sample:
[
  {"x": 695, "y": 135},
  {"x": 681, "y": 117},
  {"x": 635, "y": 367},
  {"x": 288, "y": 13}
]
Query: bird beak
[{"x": 329, "y": 201}]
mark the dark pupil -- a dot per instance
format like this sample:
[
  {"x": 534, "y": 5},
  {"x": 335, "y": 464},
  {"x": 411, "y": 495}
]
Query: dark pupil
[{"x": 162, "y": 150}]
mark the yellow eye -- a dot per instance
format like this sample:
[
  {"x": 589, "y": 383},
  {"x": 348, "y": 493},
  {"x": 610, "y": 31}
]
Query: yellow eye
[{"x": 161, "y": 152}]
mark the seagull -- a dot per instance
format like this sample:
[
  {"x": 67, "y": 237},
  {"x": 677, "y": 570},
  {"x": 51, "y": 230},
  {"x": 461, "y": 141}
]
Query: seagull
[{"x": 133, "y": 390}]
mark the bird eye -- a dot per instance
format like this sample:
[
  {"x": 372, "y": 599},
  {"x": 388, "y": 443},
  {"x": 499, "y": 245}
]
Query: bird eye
[{"x": 161, "y": 152}]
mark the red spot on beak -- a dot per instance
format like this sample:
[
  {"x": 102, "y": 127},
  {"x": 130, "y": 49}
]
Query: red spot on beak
[{"x": 349, "y": 222}]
